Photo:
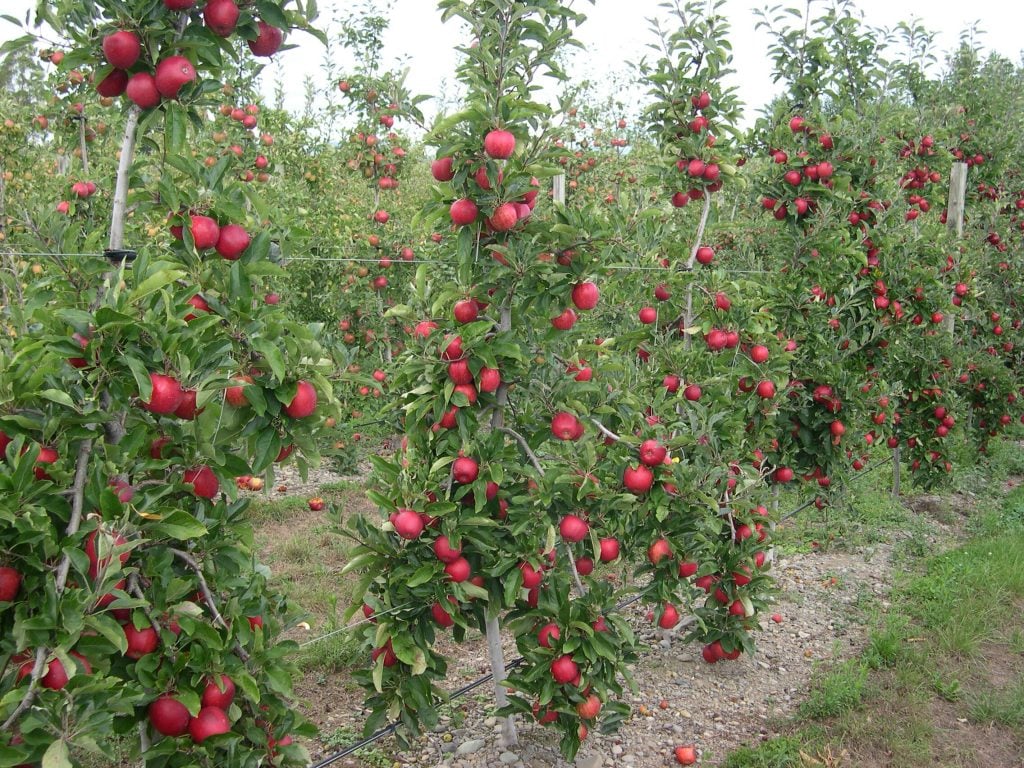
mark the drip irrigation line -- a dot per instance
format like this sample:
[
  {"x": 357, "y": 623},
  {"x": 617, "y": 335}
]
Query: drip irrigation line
[{"x": 482, "y": 680}]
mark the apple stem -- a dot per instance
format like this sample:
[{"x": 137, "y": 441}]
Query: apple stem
[
  {"x": 124, "y": 165},
  {"x": 194, "y": 566},
  {"x": 30, "y": 694},
  {"x": 77, "y": 504}
]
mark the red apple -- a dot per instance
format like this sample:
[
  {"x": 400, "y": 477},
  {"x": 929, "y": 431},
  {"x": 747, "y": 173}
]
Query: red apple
[
  {"x": 564, "y": 669},
  {"x": 211, "y": 721},
  {"x": 565, "y": 426},
  {"x": 167, "y": 394},
  {"x": 140, "y": 641},
  {"x": 205, "y": 232},
  {"x": 232, "y": 240},
  {"x": 573, "y": 528},
  {"x": 444, "y": 550},
  {"x": 122, "y": 49},
  {"x": 548, "y": 633},
  {"x": 141, "y": 89},
  {"x": 10, "y": 583},
  {"x": 638, "y": 479},
  {"x": 204, "y": 482},
  {"x": 441, "y": 169},
  {"x": 465, "y": 470},
  {"x": 218, "y": 694},
  {"x": 169, "y": 716},
  {"x": 221, "y": 17},
  {"x": 585, "y": 295},
  {"x": 499, "y": 144},
  {"x": 268, "y": 40},
  {"x": 463, "y": 212},
  {"x": 304, "y": 402},
  {"x": 408, "y": 523},
  {"x": 172, "y": 73}
]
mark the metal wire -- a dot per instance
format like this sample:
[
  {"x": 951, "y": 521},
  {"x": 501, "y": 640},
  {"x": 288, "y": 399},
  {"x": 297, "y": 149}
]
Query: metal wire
[{"x": 398, "y": 262}]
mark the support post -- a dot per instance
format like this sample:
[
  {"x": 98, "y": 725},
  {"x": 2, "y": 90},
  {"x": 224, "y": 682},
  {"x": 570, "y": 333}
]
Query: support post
[
  {"x": 896, "y": 472},
  {"x": 558, "y": 189}
]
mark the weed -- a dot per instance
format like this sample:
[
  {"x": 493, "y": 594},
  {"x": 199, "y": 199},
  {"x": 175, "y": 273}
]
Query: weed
[
  {"x": 780, "y": 752},
  {"x": 838, "y": 691}
]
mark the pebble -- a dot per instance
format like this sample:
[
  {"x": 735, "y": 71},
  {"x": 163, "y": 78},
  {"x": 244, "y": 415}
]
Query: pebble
[
  {"x": 471, "y": 746},
  {"x": 508, "y": 758}
]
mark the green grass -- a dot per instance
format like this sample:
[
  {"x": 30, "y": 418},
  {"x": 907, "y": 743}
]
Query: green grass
[
  {"x": 1003, "y": 707},
  {"x": 780, "y": 752},
  {"x": 305, "y": 554},
  {"x": 837, "y": 691},
  {"x": 950, "y": 644},
  {"x": 371, "y": 757}
]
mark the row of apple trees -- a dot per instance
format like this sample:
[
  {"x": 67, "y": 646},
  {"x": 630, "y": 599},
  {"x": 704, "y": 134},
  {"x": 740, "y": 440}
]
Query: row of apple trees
[
  {"x": 144, "y": 366},
  {"x": 630, "y": 378}
]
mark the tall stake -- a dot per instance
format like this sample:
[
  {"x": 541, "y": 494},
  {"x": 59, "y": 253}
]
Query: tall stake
[
  {"x": 955, "y": 215},
  {"x": 896, "y": 472},
  {"x": 509, "y": 736},
  {"x": 124, "y": 165}
]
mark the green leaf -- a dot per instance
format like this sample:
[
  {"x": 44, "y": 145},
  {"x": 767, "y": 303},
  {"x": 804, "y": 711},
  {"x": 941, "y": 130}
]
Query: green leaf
[
  {"x": 109, "y": 628},
  {"x": 56, "y": 396},
  {"x": 175, "y": 128},
  {"x": 56, "y": 755},
  {"x": 179, "y": 525},
  {"x": 154, "y": 283},
  {"x": 272, "y": 355},
  {"x": 423, "y": 574}
]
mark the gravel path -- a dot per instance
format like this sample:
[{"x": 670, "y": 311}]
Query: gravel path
[{"x": 682, "y": 700}]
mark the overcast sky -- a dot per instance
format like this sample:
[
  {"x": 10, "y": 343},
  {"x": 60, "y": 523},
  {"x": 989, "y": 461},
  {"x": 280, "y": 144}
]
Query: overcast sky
[{"x": 618, "y": 30}]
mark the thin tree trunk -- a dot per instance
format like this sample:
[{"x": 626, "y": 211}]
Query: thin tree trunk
[
  {"x": 509, "y": 736},
  {"x": 120, "y": 212}
]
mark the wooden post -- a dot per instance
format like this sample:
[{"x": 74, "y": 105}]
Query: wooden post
[
  {"x": 896, "y": 472},
  {"x": 955, "y": 217},
  {"x": 83, "y": 145},
  {"x": 119, "y": 214},
  {"x": 957, "y": 198},
  {"x": 558, "y": 189}
]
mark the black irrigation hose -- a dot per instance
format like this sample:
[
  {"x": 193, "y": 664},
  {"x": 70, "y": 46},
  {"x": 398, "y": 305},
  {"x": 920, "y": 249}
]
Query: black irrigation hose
[{"x": 390, "y": 729}]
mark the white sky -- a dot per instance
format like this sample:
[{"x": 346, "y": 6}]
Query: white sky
[{"x": 617, "y": 31}]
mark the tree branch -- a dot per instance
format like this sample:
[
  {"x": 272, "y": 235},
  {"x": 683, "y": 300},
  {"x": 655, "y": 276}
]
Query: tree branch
[
  {"x": 30, "y": 694},
  {"x": 526, "y": 448},
  {"x": 77, "y": 503},
  {"x": 605, "y": 431},
  {"x": 194, "y": 566}
]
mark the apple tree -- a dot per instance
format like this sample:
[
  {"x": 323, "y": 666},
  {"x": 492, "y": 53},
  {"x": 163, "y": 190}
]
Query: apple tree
[{"x": 135, "y": 618}]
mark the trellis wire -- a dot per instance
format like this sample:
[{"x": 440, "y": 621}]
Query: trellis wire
[{"x": 397, "y": 262}]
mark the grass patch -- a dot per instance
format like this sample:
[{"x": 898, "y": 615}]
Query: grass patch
[
  {"x": 941, "y": 679},
  {"x": 371, "y": 757},
  {"x": 780, "y": 752},
  {"x": 306, "y": 554},
  {"x": 836, "y": 692}
]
